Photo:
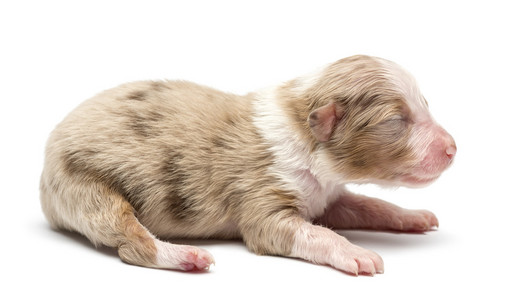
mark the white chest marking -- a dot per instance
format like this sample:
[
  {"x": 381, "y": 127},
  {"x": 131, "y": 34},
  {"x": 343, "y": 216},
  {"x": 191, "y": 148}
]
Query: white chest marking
[{"x": 294, "y": 165}]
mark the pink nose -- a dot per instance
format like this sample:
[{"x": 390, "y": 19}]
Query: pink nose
[{"x": 451, "y": 150}]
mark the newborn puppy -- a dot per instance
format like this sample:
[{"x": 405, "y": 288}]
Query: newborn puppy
[{"x": 151, "y": 161}]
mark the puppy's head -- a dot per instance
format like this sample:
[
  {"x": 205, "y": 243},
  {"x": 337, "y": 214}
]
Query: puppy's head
[{"x": 372, "y": 124}]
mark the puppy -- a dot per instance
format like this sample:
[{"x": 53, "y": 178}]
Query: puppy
[{"x": 146, "y": 162}]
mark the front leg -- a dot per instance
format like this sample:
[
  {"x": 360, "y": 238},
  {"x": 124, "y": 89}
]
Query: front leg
[
  {"x": 352, "y": 211},
  {"x": 294, "y": 237},
  {"x": 321, "y": 245}
]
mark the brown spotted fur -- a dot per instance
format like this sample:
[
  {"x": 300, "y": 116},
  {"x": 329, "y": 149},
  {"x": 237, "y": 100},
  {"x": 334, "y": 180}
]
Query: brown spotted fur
[{"x": 173, "y": 159}]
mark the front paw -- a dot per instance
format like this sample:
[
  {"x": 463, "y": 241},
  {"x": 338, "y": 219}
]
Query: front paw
[
  {"x": 356, "y": 260},
  {"x": 323, "y": 246},
  {"x": 408, "y": 220}
]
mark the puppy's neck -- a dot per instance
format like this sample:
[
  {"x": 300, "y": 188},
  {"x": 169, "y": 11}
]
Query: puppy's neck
[
  {"x": 280, "y": 122},
  {"x": 298, "y": 162}
]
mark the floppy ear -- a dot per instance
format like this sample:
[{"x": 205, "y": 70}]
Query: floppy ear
[{"x": 322, "y": 121}]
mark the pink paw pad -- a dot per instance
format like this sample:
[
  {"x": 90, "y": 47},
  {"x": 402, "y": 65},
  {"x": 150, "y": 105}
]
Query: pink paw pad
[
  {"x": 182, "y": 257},
  {"x": 197, "y": 260}
]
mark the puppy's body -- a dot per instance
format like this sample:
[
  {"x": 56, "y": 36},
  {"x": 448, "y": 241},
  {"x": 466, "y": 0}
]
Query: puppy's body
[{"x": 151, "y": 161}]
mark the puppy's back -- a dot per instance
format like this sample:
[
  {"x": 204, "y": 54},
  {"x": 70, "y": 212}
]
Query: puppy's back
[{"x": 173, "y": 149}]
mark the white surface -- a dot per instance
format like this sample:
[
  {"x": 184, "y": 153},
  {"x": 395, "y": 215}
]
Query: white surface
[{"x": 466, "y": 57}]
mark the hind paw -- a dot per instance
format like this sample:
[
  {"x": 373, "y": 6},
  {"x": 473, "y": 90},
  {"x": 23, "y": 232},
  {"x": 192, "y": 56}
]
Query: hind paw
[
  {"x": 197, "y": 259},
  {"x": 182, "y": 257}
]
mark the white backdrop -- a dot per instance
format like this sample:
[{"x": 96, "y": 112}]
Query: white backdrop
[{"x": 465, "y": 56}]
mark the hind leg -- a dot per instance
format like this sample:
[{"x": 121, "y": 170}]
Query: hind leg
[
  {"x": 105, "y": 217},
  {"x": 140, "y": 247}
]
